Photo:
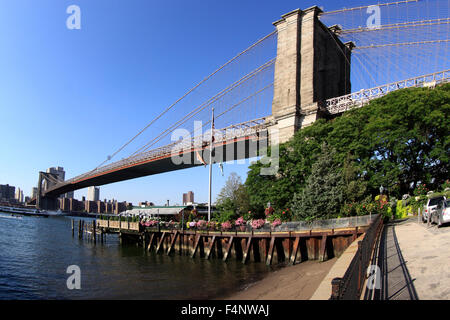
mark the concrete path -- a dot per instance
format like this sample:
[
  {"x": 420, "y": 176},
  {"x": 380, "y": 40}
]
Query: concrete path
[
  {"x": 396, "y": 281},
  {"x": 427, "y": 254}
]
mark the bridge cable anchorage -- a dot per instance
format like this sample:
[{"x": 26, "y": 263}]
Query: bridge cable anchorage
[
  {"x": 204, "y": 105},
  {"x": 185, "y": 95}
]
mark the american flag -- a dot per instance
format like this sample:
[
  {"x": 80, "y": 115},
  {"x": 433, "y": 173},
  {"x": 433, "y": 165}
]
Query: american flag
[{"x": 200, "y": 158}]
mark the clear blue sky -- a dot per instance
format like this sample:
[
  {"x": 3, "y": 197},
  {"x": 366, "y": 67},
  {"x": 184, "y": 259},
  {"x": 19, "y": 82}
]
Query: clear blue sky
[{"x": 70, "y": 97}]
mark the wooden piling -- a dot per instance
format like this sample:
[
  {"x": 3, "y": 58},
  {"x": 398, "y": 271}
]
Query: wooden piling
[
  {"x": 270, "y": 253},
  {"x": 72, "y": 227},
  {"x": 210, "y": 247},
  {"x": 149, "y": 246},
  {"x": 323, "y": 246},
  {"x": 94, "y": 233},
  {"x": 228, "y": 248},
  {"x": 172, "y": 242},
  {"x": 160, "y": 242},
  {"x": 247, "y": 249},
  {"x": 197, "y": 241},
  {"x": 294, "y": 251}
]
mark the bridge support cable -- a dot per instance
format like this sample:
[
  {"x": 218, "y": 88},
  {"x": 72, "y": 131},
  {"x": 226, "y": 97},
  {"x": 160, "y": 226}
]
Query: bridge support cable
[
  {"x": 261, "y": 43},
  {"x": 410, "y": 38},
  {"x": 195, "y": 132},
  {"x": 167, "y": 149},
  {"x": 206, "y": 104}
]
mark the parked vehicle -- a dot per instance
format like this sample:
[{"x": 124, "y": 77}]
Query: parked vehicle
[
  {"x": 431, "y": 206},
  {"x": 441, "y": 214}
]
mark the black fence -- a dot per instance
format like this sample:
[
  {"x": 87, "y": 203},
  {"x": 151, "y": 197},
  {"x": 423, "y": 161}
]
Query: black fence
[{"x": 350, "y": 286}]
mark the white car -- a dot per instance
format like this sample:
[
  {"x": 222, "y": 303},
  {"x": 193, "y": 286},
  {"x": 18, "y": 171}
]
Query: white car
[
  {"x": 431, "y": 206},
  {"x": 442, "y": 213}
]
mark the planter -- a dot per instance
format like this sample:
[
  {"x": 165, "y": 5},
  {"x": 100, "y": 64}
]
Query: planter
[{"x": 242, "y": 228}]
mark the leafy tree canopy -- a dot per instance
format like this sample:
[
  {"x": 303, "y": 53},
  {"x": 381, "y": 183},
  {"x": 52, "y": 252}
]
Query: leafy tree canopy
[{"x": 397, "y": 141}]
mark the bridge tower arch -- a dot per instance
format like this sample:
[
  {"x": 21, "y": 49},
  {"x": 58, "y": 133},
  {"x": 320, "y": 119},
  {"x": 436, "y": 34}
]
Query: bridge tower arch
[
  {"x": 312, "y": 65},
  {"x": 44, "y": 201}
]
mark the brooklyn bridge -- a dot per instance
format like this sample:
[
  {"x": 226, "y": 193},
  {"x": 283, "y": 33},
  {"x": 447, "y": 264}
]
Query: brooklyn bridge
[{"x": 313, "y": 65}]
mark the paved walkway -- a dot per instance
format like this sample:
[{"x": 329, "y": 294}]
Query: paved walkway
[
  {"x": 396, "y": 281},
  {"x": 427, "y": 254},
  {"x": 414, "y": 262}
]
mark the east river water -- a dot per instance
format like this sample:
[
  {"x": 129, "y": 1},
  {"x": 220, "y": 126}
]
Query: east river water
[{"x": 36, "y": 252}]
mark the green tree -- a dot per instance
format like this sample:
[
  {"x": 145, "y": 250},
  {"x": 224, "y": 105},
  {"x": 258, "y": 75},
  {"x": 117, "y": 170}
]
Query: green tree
[
  {"x": 228, "y": 191},
  {"x": 355, "y": 187},
  {"x": 396, "y": 141},
  {"x": 242, "y": 200},
  {"x": 233, "y": 198},
  {"x": 323, "y": 194}
]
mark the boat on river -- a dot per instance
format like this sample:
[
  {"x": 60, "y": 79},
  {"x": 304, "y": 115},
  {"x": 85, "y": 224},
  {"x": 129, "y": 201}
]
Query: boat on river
[{"x": 24, "y": 211}]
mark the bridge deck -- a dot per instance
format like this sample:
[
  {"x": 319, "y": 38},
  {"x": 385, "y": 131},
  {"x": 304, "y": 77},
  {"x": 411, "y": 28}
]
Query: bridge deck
[{"x": 236, "y": 142}]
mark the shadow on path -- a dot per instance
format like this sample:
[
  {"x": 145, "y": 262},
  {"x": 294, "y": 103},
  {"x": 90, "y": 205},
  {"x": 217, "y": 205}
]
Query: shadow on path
[{"x": 396, "y": 282}]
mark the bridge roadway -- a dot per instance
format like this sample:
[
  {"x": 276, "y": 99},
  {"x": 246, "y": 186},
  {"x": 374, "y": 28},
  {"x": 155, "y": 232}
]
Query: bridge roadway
[{"x": 236, "y": 142}]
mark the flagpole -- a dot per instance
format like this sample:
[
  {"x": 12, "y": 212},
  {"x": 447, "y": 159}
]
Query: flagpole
[{"x": 210, "y": 164}]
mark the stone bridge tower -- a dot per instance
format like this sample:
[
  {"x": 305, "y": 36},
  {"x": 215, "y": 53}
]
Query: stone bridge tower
[{"x": 312, "y": 65}]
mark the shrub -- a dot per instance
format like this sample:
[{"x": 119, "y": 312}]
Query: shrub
[{"x": 421, "y": 190}]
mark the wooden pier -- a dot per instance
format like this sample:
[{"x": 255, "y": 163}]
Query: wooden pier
[{"x": 288, "y": 247}]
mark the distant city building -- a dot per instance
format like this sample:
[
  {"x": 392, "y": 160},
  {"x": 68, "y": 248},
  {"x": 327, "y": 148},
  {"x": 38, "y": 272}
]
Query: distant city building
[
  {"x": 33, "y": 192},
  {"x": 93, "y": 194},
  {"x": 146, "y": 204},
  {"x": 69, "y": 195},
  {"x": 7, "y": 192},
  {"x": 19, "y": 195},
  {"x": 188, "y": 198}
]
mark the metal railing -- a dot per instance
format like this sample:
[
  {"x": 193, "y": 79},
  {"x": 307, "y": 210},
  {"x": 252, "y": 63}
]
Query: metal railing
[
  {"x": 350, "y": 286},
  {"x": 363, "y": 97}
]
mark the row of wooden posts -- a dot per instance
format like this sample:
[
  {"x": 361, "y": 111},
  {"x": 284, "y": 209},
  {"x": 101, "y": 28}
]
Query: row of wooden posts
[
  {"x": 87, "y": 230},
  {"x": 286, "y": 246}
]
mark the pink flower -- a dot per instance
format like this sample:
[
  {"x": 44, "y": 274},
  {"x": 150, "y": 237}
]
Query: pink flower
[
  {"x": 256, "y": 224},
  {"x": 226, "y": 225},
  {"x": 276, "y": 222},
  {"x": 240, "y": 221},
  {"x": 201, "y": 224}
]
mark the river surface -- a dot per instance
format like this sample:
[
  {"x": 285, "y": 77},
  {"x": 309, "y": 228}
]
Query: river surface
[{"x": 36, "y": 252}]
